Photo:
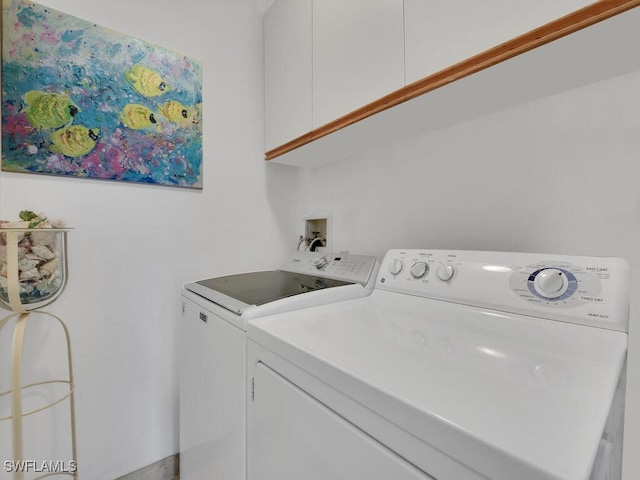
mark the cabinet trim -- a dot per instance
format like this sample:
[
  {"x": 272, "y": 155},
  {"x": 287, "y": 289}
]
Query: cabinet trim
[{"x": 582, "y": 18}]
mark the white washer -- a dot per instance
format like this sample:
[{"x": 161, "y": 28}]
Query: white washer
[
  {"x": 459, "y": 366},
  {"x": 213, "y": 348}
]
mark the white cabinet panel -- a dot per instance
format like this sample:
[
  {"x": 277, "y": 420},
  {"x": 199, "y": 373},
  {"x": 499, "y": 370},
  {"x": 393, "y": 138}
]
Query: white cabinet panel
[
  {"x": 602, "y": 51},
  {"x": 295, "y": 437},
  {"x": 288, "y": 70},
  {"x": 358, "y": 54},
  {"x": 440, "y": 34}
]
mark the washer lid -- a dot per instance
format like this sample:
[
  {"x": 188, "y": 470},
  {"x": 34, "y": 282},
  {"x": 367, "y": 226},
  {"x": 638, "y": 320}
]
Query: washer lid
[
  {"x": 509, "y": 396},
  {"x": 240, "y": 291}
]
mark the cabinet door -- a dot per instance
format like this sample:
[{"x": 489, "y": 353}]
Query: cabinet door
[
  {"x": 288, "y": 70},
  {"x": 358, "y": 54},
  {"x": 440, "y": 34}
]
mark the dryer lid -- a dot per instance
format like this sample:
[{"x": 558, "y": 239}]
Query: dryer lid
[{"x": 510, "y": 396}]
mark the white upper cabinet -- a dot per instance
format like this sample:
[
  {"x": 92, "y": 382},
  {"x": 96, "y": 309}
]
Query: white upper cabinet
[
  {"x": 358, "y": 54},
  {"x": 442, "y": 33},
  {"x": 288, "y": 71},
  {"x": 326, "y": 61}
]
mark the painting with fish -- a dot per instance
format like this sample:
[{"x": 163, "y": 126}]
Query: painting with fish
[{"x": 82, "y": 100}]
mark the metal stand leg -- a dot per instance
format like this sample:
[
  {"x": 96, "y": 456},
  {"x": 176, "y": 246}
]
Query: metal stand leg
[
  {"x": 17, "y": 388},
  {"x": 16, "y": 392}
]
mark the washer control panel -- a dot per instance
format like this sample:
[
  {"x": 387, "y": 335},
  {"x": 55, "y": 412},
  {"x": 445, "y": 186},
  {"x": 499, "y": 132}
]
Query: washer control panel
[
  {"x": 346, "y": 267},
  {"x": 587, "y": 290}
]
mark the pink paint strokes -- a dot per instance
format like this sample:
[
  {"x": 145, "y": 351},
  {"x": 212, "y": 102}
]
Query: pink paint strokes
[{"x": 49, "y": 36}]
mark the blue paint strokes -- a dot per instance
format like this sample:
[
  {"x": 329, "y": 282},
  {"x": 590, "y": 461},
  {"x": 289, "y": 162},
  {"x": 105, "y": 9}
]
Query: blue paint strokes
[
  {"x": 71, "y": 35},
  {"x": 28, "y": 17},
  {"x": 89, "y": 66},
  {"x": 137, "y": 57},
  {"x": 113, "y": 50}
]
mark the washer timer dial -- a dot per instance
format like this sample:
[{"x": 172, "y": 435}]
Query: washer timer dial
[{"x": 320, "y": 262}]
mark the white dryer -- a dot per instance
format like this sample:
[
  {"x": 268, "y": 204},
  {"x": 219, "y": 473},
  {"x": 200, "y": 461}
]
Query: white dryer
[
  {"x": 460, "y": 365},
  {"x": 213, "y": 348}
]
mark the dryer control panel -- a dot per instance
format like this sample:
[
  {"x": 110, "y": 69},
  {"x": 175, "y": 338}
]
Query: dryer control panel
[
  {"x": 559, "y": 284},
  {"x": 587, "y": 290}
]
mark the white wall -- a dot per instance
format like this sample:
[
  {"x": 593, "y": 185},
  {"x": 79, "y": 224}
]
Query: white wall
[
  {"x": 559, "y": 175},
  {"x": 134, "y": 245}
]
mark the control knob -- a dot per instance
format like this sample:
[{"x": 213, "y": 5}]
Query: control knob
[
  {"x": 320, "y": 262},
  {"x": 445, "y": 272},
  {"x": 419, "y": 269},
  {"x": 396, "y": 266},
  {"x": 551, "y": 282}
]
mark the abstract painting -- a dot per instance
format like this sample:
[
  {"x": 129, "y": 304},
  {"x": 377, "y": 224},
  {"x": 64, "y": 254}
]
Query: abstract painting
[{"x": 82, "y": 100}]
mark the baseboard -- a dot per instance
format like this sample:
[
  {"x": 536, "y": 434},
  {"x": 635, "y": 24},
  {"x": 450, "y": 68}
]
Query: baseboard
[{"x": 165, "y": 469}]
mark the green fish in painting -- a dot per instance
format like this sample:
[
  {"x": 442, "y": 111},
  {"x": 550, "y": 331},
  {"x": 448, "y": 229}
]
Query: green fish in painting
[
  {"x": 49, "y": 110},
  {"x": 146, "y": 81},
  {"x": 74, "y": 141},
  {"x": 176, "y": 112},
  {"x": 137, "y": 117}
]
